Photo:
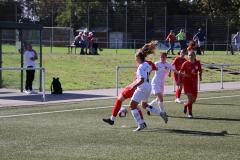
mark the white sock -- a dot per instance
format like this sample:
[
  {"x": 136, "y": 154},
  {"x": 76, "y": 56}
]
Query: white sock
[
  {"x": 112, "y": 118},
  {"x": 153, "y": 102},
  {"x": 160, "y": 105},
  {"x": 136, "y": 116},
  {"x": 153, "y": 109}
]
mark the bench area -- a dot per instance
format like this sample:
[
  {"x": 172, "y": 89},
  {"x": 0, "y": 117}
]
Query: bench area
[{"x": 70, "y": 48}]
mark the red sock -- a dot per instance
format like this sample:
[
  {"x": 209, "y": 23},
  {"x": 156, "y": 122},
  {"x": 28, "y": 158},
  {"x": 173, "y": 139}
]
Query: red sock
[
  {"x": 178, "y": 93},
  {"x": 116, "y": 107},
  {"x": 140, "y": 112},
  {"x": 189, "y": 108},
  {"x": 186, "y": 104}
]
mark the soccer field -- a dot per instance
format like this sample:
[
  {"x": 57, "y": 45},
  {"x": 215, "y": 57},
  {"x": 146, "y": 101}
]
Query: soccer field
[{"x": 75, "y": 131}]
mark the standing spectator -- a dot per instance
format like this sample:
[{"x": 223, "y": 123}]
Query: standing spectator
[
  {"x": 190, "y": 70},
  {"x": 236, "y": 39},
  {"x": 180, "y": 38},
  {"x": 170, "y": 39},
  {"x": 30, "y": 57},
  {"x": 160, "y": 78},
  {"x": 177, "y": 62},
  {"x": 184, "y": 40},
  {"x": 200, "y": 38}
]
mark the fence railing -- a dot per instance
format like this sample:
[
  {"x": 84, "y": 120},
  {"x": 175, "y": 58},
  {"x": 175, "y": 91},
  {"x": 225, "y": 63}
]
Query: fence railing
[
  {"x": 221, "y": 66},
  {"x": 43, "y": 77}
]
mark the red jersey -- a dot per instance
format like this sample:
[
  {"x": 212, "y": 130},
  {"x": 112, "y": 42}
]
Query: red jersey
[
  {"x": 170, "y": 38},
  {"x": 89, "y": 38},
  {"x": 191, "y": 68},
  {"x": 177, "y": 62}
]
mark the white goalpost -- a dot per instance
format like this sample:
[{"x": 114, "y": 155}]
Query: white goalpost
[{"x": 43, "y": 78}]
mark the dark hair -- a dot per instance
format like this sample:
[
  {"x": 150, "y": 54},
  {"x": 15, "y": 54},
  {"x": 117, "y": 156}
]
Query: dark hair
[
  {"x": 147, "y": 49},
  {"x": 163, "y": 53}
]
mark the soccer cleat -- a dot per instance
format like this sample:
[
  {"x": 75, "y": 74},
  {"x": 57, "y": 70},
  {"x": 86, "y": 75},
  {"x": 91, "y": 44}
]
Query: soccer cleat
[
  {"x": 145, "y": 124},
  {"x": 178, "y": 100},
  {"x": 140, "y": 127},
  {"x": 148, "y": 113},
  {"x": 164, "y": 117},
  {"x": 109, "y": 121},
  {"x": 190, "y": 116},
  {"x": 184, "y": 108}
]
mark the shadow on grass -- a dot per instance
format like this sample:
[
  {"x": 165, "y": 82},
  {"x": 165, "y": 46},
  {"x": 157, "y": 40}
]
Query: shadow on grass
[
  {"x": 208, "y": 118},
  {"x": 52, "y": 97},
  {"x": 217, "y": 104},
  {"x": 189, "y": 132}
]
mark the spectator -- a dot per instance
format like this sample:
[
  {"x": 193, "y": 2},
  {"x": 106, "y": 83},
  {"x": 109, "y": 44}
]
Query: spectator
[
  {"x": 184, "y": 40},
  {"x": 200, "y": 38},
  {"x": 90, "y": 37},
  {"x": 190, "y": 70},
  {"x": 180, "y": 38},
  {"x": 170, "y": 39},
  {"x": 30, "y": 57},
  {"x": 85, "y": 41},
  {"x": 78, "y": 41},
  {"x": 236, "y": 39}
]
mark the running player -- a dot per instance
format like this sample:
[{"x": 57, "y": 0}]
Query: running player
[{"x": 190, "y": 69}]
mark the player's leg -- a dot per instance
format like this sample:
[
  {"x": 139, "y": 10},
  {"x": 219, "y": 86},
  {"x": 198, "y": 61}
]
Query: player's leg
[
  {"x": 138, "y": 96},
  {"x": 126, "y": 93}
]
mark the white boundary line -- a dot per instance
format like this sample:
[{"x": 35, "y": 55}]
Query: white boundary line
[{"x": 84, "y": 109}]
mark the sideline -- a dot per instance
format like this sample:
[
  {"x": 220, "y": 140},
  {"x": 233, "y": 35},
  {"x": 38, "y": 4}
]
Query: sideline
[{"x": 84, "y": 109}]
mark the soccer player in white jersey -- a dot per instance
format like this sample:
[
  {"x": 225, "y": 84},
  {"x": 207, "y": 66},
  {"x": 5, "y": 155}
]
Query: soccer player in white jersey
[
  {"x": 142, "y": 84},
  {"x": 158, "y": 82}
]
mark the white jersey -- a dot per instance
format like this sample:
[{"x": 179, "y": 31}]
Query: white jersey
[
  {"x": 161, "y": 74},
  {"x": 143, "y": 72},
  {"x": 28, "y": 62}
]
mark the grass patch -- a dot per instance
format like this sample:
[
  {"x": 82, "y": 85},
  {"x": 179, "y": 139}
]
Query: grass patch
[
  {"x": 77, "y": 72},
  {"x": 81, "y": 134}
]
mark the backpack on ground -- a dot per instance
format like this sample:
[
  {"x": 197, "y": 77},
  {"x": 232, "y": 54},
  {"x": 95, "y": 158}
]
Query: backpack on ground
[{"x": 56, "y": 87}]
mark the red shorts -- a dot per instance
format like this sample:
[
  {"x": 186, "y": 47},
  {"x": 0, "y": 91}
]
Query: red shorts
[
  {"x": 127, "y": 93},
  {"x": 190, "y": 87},
  {"x": 175, "y": 77}
]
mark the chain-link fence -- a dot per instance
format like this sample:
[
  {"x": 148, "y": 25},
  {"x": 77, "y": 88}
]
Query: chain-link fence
[{"x": 122, "y": 25}]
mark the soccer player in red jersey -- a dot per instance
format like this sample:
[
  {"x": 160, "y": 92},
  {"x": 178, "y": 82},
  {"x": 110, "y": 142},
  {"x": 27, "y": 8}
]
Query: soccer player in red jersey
[
  {"x": 126, "y": 94},
  {"x": 190, "y": 70},
  {"x": 177, "y": 62}
]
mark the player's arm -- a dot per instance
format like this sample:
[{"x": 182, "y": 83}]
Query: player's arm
[{"x": 138, "y": 83}]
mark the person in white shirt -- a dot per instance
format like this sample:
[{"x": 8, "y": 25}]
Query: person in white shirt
[
  {"x": 158, "y": 82},
  {"x": 30, "y": 57},
  {"x": 142, "y": 83}
]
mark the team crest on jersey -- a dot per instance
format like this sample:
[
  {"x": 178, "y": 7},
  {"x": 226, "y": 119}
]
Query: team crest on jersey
[
  {"x": 196, "y": 67},
  {"x": 166, "y": 67}
]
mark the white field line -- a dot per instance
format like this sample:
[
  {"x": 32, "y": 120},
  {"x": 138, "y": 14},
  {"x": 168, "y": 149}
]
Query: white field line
[{"x": 84, "y": 109}]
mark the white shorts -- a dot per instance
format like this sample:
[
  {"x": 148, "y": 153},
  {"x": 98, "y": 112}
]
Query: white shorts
[
  {"x": 157, "y": 89},
  {"x": 140, "y": 95}
]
